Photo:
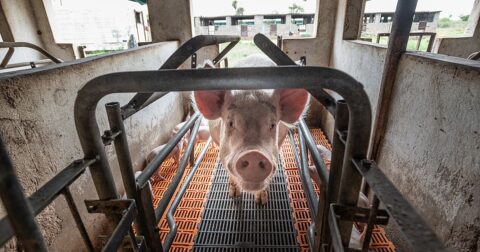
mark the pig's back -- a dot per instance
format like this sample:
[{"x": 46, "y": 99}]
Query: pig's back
[{"x": 255, "y": 60}]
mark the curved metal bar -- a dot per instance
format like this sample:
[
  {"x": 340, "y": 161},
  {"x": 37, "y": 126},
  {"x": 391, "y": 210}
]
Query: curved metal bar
[
  {"x": 167, "y": 195},
  {"x": 310, "y": 78},
  {"x": 27, "y": 45},
  {"x": 141, "y": 100},
  {"x": 312, "y": 147},
  {"x": 176, "y": 201},
  {"x": 280, "y": 58}
]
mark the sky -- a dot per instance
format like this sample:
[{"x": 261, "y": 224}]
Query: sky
[{"x": 224, "y": 7}]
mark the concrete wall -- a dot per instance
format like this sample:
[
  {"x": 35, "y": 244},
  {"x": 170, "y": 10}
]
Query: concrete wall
[
  {"x": 37, "y": 125},
  {"x": 431, "y": 145},
  {"x": 432, "y": 142}
]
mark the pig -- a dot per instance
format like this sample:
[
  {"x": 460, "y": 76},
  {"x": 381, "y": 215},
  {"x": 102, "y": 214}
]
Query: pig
[
  {"x": 203, "y": 131},
  {"x": 249, "y": 126}
]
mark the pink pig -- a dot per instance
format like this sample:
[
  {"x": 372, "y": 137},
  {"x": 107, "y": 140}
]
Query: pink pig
[{"x": 249, "y": 126}]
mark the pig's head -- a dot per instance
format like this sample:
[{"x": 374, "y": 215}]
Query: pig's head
[{"x": 249, "y": 129}]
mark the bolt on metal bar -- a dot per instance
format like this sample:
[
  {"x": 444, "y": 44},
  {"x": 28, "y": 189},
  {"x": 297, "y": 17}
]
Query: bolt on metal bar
[
  {"x": 47, "y": 193},
  {"x": 78, "y": 219},
  {"x": 160, "y": 157},
  {"x": 280, "y": 58},
  {"x": 19, "y": 210},
  {"x": 417, "y": 232},
  {"x": 371, "y": 222},
  {"x": 178, "y": 197},
  {"x": 168, "y": 194},
  {"x": 141, "y": 100},
  {"x": 151, "y": 231}
]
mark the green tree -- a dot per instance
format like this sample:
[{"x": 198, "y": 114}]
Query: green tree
[
  {"x": 464, "y": 18},
  {"x": 295, "y": 8},
  {"x": 240, "y": 11}
]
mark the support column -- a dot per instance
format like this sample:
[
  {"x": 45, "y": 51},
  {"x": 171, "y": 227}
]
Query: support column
[{"x": 170, "y": 20}]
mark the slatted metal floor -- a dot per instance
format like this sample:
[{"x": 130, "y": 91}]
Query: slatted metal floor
[{"x": 230, "y": 225}]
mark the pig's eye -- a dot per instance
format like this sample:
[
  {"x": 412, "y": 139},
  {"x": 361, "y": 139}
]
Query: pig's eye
[
  {"x": 272, "y": 126},
  {"x": 230, "y": 124}
]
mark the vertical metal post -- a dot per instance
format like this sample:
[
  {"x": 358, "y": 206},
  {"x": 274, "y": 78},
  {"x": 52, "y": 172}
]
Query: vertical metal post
[
  {"x": 144, "y": 224},
  {"x": 338, "y": 152},
  {"x": 19, "y": 210},
  {"x": 371, "y": 223},
  {"x": 151, "y": 234},
  {"x": 279, "y": 42},
  {"x": 397, "y": 45},
  {"x": 78, "y": 220},
  {"x": 419, "y": 41}
]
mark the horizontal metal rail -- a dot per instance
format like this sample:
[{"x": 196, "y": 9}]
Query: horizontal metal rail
[
  {"x": 178, "y": 197},
  {"x": 41, "y": 198},
  {"x": 141, "y": 100},
  {"x": 419, "y": 236},
  {"x": 275, "y": 53},
  {"x": 11, "y": 49}
]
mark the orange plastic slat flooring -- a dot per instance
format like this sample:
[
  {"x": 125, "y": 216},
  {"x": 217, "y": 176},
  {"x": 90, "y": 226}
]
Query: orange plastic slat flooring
[{"x": 190, "y": 210}]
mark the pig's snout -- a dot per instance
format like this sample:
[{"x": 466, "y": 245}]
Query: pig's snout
[{"x": 253, "y": 166}]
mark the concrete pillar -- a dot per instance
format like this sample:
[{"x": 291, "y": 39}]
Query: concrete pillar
[
  {"x": 377, "y": 17},
  {"x": 288, "y": 19},
  {"x": 473, "y": 28},
  {"x": 170, "y": 20},
  {"x": 229, "y": 21},
  {"x": 258, "y": 24}
]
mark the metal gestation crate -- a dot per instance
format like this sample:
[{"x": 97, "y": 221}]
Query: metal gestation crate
[{"x": 333, "y": 212}]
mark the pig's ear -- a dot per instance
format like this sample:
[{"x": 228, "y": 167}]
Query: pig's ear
[
  {"x": 291, "y": 103},
  {"x": 210, "y": 103}
]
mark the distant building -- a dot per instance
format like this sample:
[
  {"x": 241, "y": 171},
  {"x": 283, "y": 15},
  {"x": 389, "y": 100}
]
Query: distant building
[
  {"x": 381, "y": 22},
  {"x": 286, "y": 25}
]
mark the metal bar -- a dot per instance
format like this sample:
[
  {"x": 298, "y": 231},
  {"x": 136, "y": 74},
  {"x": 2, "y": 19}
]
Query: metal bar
[
  {"x": 78, "y": 219},
  {"x": 310, "y": 194},
  {"x": 337, "y": 244},
  {"x": 225, "y": 51},
  {"x": 320, "y": 228},
  {"x": 371, "y": 222},
  {"x": 178, "y": 197},
  {"x": 47, "y": 193},
  {"x": 158, "y": 160},
  {"x": 175, "y": 60},
  {"x": 397, "y": 45},
  {"x": 282, "y": 59},
  {"x": 419, "y": 41},
  {"x": 31, "y": 46},
  {"x": 430, "y": 42},
  {"x": 336, "y": 163},
  {"x": 167, "y": 195},
  {"x": 126, "y": 168},
  {"x": 279, "y": 42},
  {"x": 122, "y": 228},
  {"x": 417, "y": 232},
  {"x": 152, "y": 236},
  {"x": 19, "y": 211},
  {"x": 7, "y": 57},
  {"x": 358, "y": 214},
  {"x": 129, "y": 110}
]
